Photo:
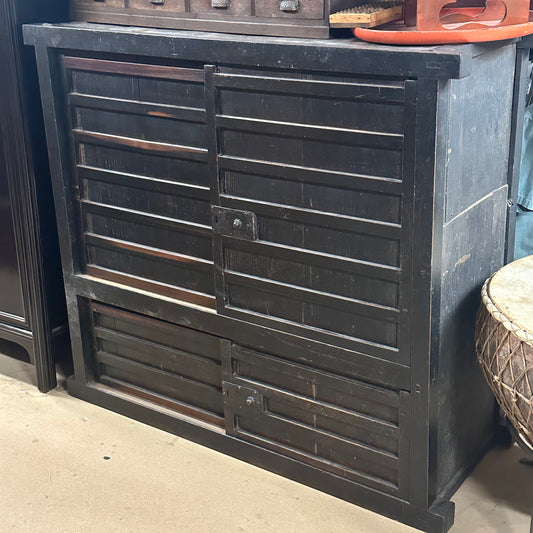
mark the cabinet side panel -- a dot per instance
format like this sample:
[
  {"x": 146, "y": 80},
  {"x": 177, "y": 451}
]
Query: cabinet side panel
[
  {"x": 472, "y": 249},
  {"x": 477, "y": 152},
  {"x": 474, "y": 195}
]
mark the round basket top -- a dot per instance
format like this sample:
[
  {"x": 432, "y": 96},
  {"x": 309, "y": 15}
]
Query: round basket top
[{"x": 511, "y": 291}]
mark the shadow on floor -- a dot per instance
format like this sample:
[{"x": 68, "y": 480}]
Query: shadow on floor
[{"x": 502, "y": 478}]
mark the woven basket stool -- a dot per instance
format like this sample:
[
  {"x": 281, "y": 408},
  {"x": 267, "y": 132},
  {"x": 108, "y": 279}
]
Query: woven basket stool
[{"x": 504, "y": 345}]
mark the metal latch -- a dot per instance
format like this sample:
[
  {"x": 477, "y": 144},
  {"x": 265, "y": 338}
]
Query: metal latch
[
  {"x": 234, "y": 223},
  {"x": 289, "y": 6},
  {"x": 240, "y": 399}
]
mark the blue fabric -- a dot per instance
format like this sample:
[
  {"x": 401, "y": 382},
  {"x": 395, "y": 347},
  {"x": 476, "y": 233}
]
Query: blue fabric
[
  {"x": 524, "y": 214},
  {"x": 523, "y": 233},
  {"x": 525, "y": 185}
]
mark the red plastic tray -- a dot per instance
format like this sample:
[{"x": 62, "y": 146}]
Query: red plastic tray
[{"x": 399, "y": 33}]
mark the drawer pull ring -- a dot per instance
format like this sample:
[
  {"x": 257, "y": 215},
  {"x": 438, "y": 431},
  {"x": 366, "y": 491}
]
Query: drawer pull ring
[
  {"x": 237, "y": 223},
  {"x": 289, "y": 6},
  {"x": 250, "y": 400},
  {"x": 220, "y": 4}
]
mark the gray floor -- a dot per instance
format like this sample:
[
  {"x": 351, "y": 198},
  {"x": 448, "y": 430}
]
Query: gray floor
[{"x": 54, "y": 477}]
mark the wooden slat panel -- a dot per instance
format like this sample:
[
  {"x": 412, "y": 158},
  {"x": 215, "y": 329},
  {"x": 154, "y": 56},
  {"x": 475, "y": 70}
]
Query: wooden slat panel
[
  {"x": 328, "y": 280},
  {"x": 191, "y": 340},
  {"x": 303, "y": 294},
  {"x": 320, "y": 418},
  {"x": 346, "y": 387},
  {"x": 171, "y": 385},
  {"x": 390, "y": 141},
  {"x": 144, "y": 218},
  {"x": 311, "y": 175},
  {"x": 196, "y": 263},
  {"x": 323, "y": 464},
  {"x": 309, "y": 257},
  {"x": 316, "y": 407},
  {"x": 144, "y": 182},
  {"x": 296, "y": 434},
  {"x": 163, "y": 401},
  {"x": 188, "y": 114},
  {"x": 159, "y": 166},
  {"x": 134, "y": 69},
  {"x": 359, "y": 91},
  {"x": 153, "y": 236},
  {"x": 158, "y": 270},
  {"x": 151, "y": 147},
  {"x": 148, "y": 285},
  {"x": 312, "y": 217},
  {"x": 162, "y": 357}
]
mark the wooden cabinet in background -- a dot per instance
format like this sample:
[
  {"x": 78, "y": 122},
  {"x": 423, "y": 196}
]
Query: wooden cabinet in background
[{"x": 32, "y": 300}]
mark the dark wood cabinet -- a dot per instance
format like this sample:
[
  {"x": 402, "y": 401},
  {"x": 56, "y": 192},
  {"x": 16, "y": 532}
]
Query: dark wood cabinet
[
  {"x": 32, "y": 301},
  {"x": 284, "y": 262}
]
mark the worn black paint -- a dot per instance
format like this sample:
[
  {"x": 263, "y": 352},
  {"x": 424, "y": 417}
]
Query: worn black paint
[{"x": 328, "y": 333}]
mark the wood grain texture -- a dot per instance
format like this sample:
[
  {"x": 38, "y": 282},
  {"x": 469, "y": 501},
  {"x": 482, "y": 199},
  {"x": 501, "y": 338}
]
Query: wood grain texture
[{"x": 347, "y": 19}]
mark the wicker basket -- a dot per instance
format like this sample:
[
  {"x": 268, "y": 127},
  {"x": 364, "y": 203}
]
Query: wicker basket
[{"x": 505, "y": 353}]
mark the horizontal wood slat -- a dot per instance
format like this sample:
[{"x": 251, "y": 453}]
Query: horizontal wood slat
[
  {"x": 149, "y": 285},
  {"x": 364, "y": 453},
  {"x": 342, "y": 415},
  {"x": 188, "y": 114},
  {"x": 163, "y": 357},
  {"x": 333, "y": 89},
  {"x": 134, "y": 69},
  {"x": 303, "y": 294},
  {"x": 346, "y": 386},
  {"x": 166, "y": 383},
  {"x": 152, "y": 147},
  {"x": 349, "y": 342},
  {"x": 336, "y": 262},
  {"x": 323, "y": 464},
  {"x": 147, "y": 183},
  {"x": 144, "y": 218},
  {"x": 310, "y": 175},
  {"x": 163, "y": 401},
  {"x": 110, "y": 243},
  {"x": 313, "y": 217},
  {"x": 369, "y": 139},
  {"x": 197, "y": 342}
]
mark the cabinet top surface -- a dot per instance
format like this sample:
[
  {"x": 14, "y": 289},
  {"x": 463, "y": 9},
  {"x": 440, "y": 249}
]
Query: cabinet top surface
[{"x": 338, "y": 55}]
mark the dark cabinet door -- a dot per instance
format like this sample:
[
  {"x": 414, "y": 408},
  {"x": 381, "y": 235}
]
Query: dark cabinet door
[
  {"x": 313, "y": 223},
  {"x": 32, "y": 303},
  {"x": 11, "y": 299}
]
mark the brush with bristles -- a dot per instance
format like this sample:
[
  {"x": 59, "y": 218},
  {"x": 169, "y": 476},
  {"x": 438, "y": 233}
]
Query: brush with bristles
[{"x": 367, "y": 15}]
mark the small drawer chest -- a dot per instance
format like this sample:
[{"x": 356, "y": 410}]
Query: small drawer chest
[
  {"x": 291, "y": 18},
  {"x": 284, "y": 262}
]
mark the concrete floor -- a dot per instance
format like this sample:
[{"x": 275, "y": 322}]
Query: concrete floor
[{"x": 68, "y": 466}]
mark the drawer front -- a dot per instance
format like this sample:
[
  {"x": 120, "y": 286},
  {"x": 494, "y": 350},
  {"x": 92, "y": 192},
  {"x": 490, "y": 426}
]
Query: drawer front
[
  {"x": 222, "y": 7},
  {"x": 139, "y": 136},
  {"x": 290, "y": 9},
  {"x": 176, "y": 367},
  {"x": 84, "y": 4},
  {"x": 349, "y": 428},
  {"x": 171, "y": 6},
  {"x": 312, "y": 231}
]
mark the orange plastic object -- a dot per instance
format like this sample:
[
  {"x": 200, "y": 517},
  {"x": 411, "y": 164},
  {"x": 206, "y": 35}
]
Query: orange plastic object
[{"x": 453, "y": 26}]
